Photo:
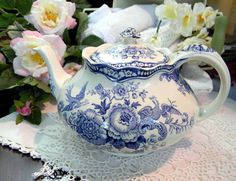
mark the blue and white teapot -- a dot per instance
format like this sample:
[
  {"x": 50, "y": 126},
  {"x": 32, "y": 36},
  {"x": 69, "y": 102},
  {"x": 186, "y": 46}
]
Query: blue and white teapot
[{"x": 130, "y": 98}]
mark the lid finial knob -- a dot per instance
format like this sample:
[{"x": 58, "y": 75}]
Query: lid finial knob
[{"x": 130, "y": 35}]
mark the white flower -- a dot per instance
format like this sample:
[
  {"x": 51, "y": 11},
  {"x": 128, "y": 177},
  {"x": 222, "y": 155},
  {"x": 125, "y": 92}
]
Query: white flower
[
  {"x": 168, "y": 10},
  {"x": 201, "y": 38},
  {"x": 198, "y": 10},
  {"x": 203, "y": 33},
  {"x": 209, "y": 16},
  {"x": 27, "y": 61},
  {"x": 52, "y": 17},
  {"x": 185, "y": 20},
  {"x": 205, "y": 16}
]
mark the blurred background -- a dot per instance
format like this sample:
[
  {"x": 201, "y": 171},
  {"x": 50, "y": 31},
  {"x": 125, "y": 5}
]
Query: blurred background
[{"x": 227, "y": 7}]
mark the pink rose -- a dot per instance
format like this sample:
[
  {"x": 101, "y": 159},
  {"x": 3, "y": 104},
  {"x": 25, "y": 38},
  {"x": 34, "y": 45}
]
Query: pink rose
[
  {"x": 25, "y": 110},
  {"x": 52, "y": 17},
  {"x": 27, "y": 61}
]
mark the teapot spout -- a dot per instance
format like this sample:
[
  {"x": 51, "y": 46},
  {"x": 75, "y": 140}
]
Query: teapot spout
[{"x": 57, "y": 75}]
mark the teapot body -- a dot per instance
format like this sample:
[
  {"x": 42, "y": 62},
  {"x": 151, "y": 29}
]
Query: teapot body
[
  {"x": 131, "y": 99},
  {"x": 130, "y": 116}
]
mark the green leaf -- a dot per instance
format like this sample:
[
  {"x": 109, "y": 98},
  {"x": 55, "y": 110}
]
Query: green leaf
[
  {"x": 12, "y": 109},
  {"x": 24, "y": 6},
  {"x": 218, "y": 38},
  {"x": 92, "y": 40},
  {"x": 7, "y": 4},
  {"x": 8, "y": 79},
  {"x": 25, "y": 95},
  {"x": 42, "y": 98},
  {"x": 3, "y": 66},
  {"x": 3, "y": 33},
  {"x": 74, "y": 51},
  {"x": 9, "y": 53},
  {"x": 73, "y": 59},
  {"x": 4, "y": 43},
  {"x": 19, "y": 119},
  {"x": 18, "y": 104},
  {"x": 22, "y": 24},
  {"x": 34, "y": 82},
  {"x": 29, "y": 81},
  {"x": 19, "y": 25},
  {"x": 43, "y": 87},
  {"x": 66, "y": 37},
  {"x": 35, "y": 117},
  {"x": 83, "y": 24},
  {"x": 82, "y": 4},
  {"x": 6, "y": 19}
]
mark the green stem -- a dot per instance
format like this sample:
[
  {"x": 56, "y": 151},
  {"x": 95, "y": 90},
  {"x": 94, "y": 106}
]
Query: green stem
[{"x": 158, "y": 26}]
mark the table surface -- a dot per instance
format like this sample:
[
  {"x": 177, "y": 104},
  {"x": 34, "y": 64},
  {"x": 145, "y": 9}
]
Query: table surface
[{"x": 15, "y": 166}]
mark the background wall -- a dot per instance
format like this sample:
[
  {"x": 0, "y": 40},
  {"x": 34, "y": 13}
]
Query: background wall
[{"x": 228, "y": 7}]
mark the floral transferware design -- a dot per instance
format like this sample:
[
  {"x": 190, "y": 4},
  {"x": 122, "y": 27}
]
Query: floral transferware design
[
  {"x": 121, "y": 72},
  {"x": 128, "y": 52},
  {"x": 184, "y": 88},
  {"x": 133, "y": 52},
  {"x": 198, "y": 48},
  {"x": 119, "y": 120},
  {"x": 120, "y": 92},
  {"x": 89, "y": 125}
]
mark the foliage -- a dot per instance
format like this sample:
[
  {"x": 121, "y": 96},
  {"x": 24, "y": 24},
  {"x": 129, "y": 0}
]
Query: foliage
[{"x": 22, "y": 90}]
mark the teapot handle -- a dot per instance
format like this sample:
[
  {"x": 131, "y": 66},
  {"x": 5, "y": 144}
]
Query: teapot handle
[{"x": 207, "y": 55}]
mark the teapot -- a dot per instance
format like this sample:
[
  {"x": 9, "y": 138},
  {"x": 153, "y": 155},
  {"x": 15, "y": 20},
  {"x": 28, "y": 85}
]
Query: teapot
[{"x": 130, "y": 98}]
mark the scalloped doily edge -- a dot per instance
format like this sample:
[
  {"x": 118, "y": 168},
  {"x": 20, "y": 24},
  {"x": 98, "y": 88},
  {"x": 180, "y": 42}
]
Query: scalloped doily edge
[{"x": 20, "y": 148}]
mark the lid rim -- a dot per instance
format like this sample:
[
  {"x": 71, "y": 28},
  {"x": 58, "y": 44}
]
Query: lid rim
[
  {"x": 119, "y": 54},
  {"x": 134, "y": 64}
]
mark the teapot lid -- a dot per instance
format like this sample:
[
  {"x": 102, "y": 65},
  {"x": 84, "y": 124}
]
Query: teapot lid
[{"x": 129, "y": 53}]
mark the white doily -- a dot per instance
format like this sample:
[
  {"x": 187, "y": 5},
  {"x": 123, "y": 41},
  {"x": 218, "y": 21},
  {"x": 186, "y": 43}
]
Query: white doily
[{"x": 207, "y": 153}]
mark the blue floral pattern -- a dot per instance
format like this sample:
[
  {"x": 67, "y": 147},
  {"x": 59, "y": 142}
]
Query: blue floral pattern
[
  {"x": 90, "y": 127},
  {"x": 123, "y": 123},
  {"x": 130, "y": 33},
  {"x": 52, "y": 85},
  {"x": 128, "y": 71},
  {"x": 133, "y": 52},
  {"x": 184, "y": 88},
  {"x": 143, "y": 62},
  {"x": 120, "y": 92},
  {"x": 198, "y": 48},
  {"x": 119, "y": 119}
]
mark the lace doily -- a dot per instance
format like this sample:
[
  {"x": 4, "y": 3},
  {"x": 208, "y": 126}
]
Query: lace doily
[{"x": 208, "y": 152}]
